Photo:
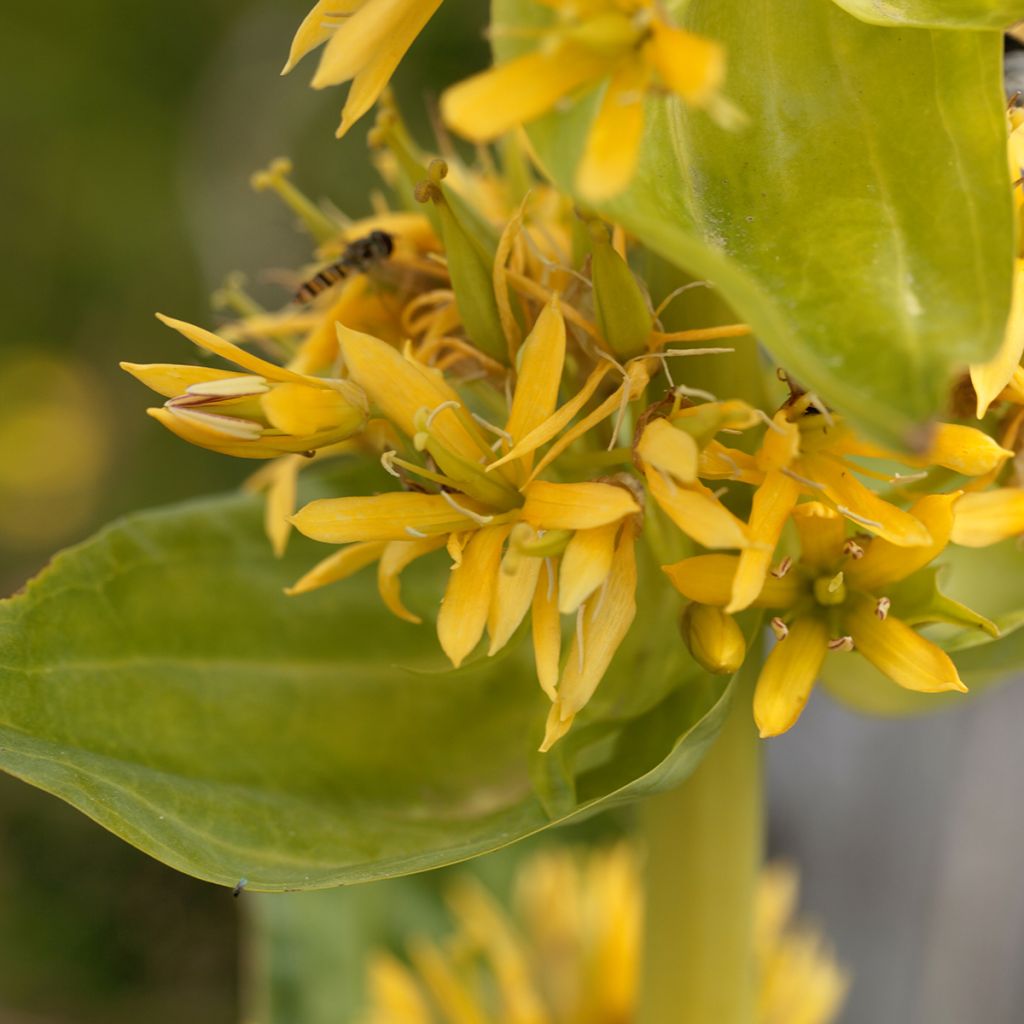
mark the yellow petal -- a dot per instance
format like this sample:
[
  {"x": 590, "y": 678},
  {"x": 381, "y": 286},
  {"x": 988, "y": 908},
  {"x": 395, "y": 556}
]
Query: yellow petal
[
  {"x": 964, "y": 450},
  {"x": 300, "y": 410},
  {"x": 698, "y": 513},
  {"x": 822, "y": 534},
  {"x": 665, "y": 448},
  {"x": 371, "y": 78},
  {"x": 316, "y": 28},
  {"x": 781, "y": 444},
  {"x": 613, "y": 142},
  {"x": 990, "y": 378},
  {"x": 218, "y": 346},
  {"x": 400, "y": 388},
  {"x": 557, "y": 421},
  {"x": 690, "y": 65},
  {"x": 540, "y": 361},
  {"x": 393, "y": 992},
  {"x": 585, "y": 564},
  {"x": 859, "y": 503},
  {"x": 773, "y": 502},
  {"x": 551, "y": 506},
  {"x": 376, "y": 31},
  {"x": 788, "y": 676},
  {"x": 559, "y": 722},
  {"x": 396, "y": 556},
  {"x": 709, "y": 578},
  {"x": 513, "y": 595},
  {"x": 380, "y": 517},
  {"x": 280, "y": 480},
  {"x": 547, "y": 628},
  {"x": 884, "y": 563},
  {"x": 896, "y": 650},
  {"x": 238, "y": 438},
  {"x": 987, "y": 517},
  {"x": 607, "y": 616},
  {"x": 338, "y": 566},
  {"x": 467, "y": 598},
  {"x": 170, "y": 379},
  {"x": 518, "y": 91},
  {"x": 717, "y": 462}
]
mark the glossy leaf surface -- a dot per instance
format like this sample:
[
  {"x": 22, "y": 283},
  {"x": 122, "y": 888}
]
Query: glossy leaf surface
[
  {"x": 158, "y": 679},
  {"x": 861, "y": 220},
  {"x": 977, "y": 14}
]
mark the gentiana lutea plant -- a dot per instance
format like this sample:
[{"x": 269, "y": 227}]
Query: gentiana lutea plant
[{"x": 579, "y": 464}]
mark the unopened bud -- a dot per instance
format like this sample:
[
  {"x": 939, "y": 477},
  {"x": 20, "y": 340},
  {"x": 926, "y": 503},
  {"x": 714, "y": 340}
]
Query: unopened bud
[
  {"x": 623, "y": 313},
  {"x": 713, "y": 638}
]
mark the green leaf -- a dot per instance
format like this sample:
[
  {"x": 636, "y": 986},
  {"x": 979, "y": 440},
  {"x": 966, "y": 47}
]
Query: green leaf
[
  {"x": 860, "y": 222},
  {"x": 977, "y": 14},
  {"x": 157, "y": 679}
]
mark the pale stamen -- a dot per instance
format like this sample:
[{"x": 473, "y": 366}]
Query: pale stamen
[
  {"x": 863, "y": 520},
  {"x": 450, "y": 404},
  {"x": 477, "y": 518},
  {"x": 841, "y": 643},
  {"x": 882, "y": 608},
  {"x": 779, "y": 628}
]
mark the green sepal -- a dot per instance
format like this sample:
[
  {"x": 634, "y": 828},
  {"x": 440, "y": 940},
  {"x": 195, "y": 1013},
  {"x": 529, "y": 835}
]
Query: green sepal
[{"x": 623, "y": 311}]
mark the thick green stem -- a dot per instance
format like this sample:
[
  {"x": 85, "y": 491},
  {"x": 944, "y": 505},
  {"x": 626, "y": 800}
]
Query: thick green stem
[{"x": 704, "y": 850}]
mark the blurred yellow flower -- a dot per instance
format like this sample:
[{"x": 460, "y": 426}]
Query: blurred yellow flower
[
  {"x": 366, "y": 40},
  {"x": 568, "y": 952},
  {"x": 624, "y": 44}
]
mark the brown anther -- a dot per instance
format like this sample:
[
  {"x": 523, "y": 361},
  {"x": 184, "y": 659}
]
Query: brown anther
[
  {"x": 782, "y": 568},
  {"x": 841, "y": 643},
  {"x": 779, "y": 628},
  {"x": 853, "y": 549},
  {"x": 882, "y": 608}
]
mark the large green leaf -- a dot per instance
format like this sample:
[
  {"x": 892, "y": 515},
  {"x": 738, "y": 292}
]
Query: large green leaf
[
  {"x": 860, "y": 222},
  {"x": 996, "y": 14},
  {"x": 157, "y": 679}
]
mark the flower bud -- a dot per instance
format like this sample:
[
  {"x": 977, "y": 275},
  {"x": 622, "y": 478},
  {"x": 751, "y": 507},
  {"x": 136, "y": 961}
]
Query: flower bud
[
  {"x": 713, "y": 638},
  {"x": 623, "y": 313}
]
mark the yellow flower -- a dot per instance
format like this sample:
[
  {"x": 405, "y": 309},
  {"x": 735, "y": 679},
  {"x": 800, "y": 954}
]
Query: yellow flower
[
  {"x": 843, "y": 594},
  {"x": 366, "y": 40},
  {"x": 519, "y": 545},
  {"x": 569, "y": 951},
  {"x": 625, "y": 45},
  {"x": 987, "y": 517},
  {"x": 266, "y": 412},
  {"x": 809, "y": 451}
]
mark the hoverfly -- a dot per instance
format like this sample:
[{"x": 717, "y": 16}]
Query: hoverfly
[{"x": 358, "y": 257}]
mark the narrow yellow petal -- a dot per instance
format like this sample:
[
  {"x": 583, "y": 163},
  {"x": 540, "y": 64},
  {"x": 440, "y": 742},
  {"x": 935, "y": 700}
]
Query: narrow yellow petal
[
  {"x": 822, "y": 533},
  {"x": 400, "y": 388},
  {"x": 301, "y": 410},
  {"x": 718, "y": 462},
  {"x": 613, "y": 142},
  {"x": 559, "y": 722},
  {"x": 316, "y": 28},
  {"x": 987, "y": 517},
  {"x": 896, "y": 650},
  {"x": 773, "y": 502},
  {"x": 990, "y": 378},
  {"x": 547, "y": 628},
  {"x": 558, "y": 420},
  {"x": 217, "y": 433},
  {"x": 282, "y": 486},
  {"x": 551, "y": 506},
  {"x": 585, "y": 564},
  {"x": 857, "y": 502},
  {"x": 397, "y": 555},
  {"x": 338, "y": 566},
  {"x": 884, "y": 563},
  {"x": 467, "y": 598},
  {"x": 513, "y": 595},
  {"x": 495, "y": 101},
  {"x": 379, "y": 30},
  {"x": 607, "y": 616},
  {"x": 540, "y": 361},
  {"x": 226, "y": 350},
  {"x": 788, "y": 676},
  {"x": 372, "y": 77},
  {"x": 670, "y": 450},
  {"x": 709, "y": 579},
  {"x": 690, "y": 65},
  {"x": 394, "y": 994},
  {"x": 170, "y": 379},
  {"x": 964, "y": 450},
  {"x": 698, "y": 513},
  {"x": 397, "y": 516}
]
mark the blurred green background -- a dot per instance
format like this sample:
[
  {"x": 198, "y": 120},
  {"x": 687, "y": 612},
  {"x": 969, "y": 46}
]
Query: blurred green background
[{"x": 130, "y": 132}]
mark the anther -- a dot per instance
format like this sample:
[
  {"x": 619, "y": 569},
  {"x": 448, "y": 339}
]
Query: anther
[
  {"x": 841, "y": 643},
  {"x": 779, "y": 628},
  {"x": 853, "y": 549},
  {"x": 387, "y": 461},
  {"x": 882, "y": 608},
  {"x": 782, "y": 568}
]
